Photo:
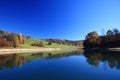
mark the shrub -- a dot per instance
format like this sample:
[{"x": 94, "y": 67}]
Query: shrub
[
  {"x": 49, "y": 43},
  {"x": 39, "y": 44}
]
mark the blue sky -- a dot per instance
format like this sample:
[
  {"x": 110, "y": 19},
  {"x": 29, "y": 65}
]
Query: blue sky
[{"x": 63, "y": 19}]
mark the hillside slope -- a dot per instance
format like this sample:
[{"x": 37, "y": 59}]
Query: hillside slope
[{"x": 46, "y": 44}]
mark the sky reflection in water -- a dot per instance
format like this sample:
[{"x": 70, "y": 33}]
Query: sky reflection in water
[{"x": 61, "y": 66}]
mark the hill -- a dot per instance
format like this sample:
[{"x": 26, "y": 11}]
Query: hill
[
  {"x": 78, "y": 43},
  {"x": 35, "y": 43},
  {"x": 15, "y": 40}
]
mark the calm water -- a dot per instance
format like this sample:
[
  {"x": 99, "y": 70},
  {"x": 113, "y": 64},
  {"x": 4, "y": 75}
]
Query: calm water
[{"x": 61, "y": 66}]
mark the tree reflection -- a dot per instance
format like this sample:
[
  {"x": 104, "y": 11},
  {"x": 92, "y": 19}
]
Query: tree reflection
[
  {"x": 111, "y": 58},
  {"x": 9, "y": 61},
  {"x": 63, "y": 54}
]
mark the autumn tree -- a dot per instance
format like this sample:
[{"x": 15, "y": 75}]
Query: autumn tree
[
  {"x": 112, "y": 39},
  {"x": 16, "y": 41},
  {"x": 24, "y": 40},
  {"x": 1, "y": 33},
  {"x": 109, "y": 33},
  {"x": 20, "y": 38},
  {"x": 115, "y": 31},
  {"x": 4, "y": 43},
  {"x": 9, "y": 37},
  {"x": 92, "y": 40},
  {"x": 93, "y": 34}
]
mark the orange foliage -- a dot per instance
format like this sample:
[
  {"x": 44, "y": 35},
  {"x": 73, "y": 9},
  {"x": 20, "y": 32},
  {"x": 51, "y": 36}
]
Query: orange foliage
[
  {"x": 20, "y": 38},
  {"x": 16, "y": 40},
  {"x": 5, "y": 43}
]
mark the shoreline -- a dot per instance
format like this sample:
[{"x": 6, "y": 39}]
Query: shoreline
[
  {"x": 114, "y": 49},
  {"x": 27, "y": 50},
  {"x": 106, "y": 49}
]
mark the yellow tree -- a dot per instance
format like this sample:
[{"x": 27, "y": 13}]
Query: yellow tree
[
  {"x": 24, "y": 40},
  {"x": 16, "y": 41},
  {"x": 20, "y": 38}
]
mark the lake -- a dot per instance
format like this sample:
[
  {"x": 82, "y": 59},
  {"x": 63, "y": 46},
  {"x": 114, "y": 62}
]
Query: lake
[{"x": 61, "y": 65}]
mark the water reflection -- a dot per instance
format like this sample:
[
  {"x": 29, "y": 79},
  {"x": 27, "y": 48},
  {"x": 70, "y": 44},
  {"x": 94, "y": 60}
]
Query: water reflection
[
  {"x": 9, "y": 61},
  {"x": 112, "y": 59}
]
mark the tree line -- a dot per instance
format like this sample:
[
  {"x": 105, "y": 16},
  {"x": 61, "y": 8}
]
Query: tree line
[
  {"x": 111, "y": 39},
  {"x": 9, "y": 39}
]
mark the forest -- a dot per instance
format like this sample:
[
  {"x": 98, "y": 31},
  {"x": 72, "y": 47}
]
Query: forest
[
  {"x": 109, "y": 40},
  {"x": 10, "y": 39}
]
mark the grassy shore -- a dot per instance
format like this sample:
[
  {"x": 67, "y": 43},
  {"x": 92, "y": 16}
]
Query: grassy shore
[
  {"x": 53, "y": 45},
  {"x": 24, "y": 48}
]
